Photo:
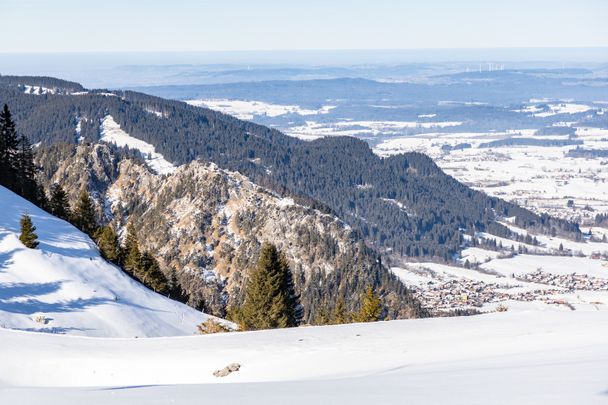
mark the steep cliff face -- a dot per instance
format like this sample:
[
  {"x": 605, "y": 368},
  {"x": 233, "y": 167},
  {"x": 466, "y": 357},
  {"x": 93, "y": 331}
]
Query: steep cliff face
[{"x": 207, "y": 225}]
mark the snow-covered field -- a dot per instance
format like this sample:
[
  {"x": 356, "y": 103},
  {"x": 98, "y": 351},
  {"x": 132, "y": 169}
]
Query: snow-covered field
[
  {"x": 65, "y": 287},
  {"x": 362, "y": 129},
  {"x": 247, "y": 109},
  {"x": 500, "y": 358},
  {"x": 562, "y": 108},
  {"x": 540, "y": 178},
  {"x": 111, "y": 132}
]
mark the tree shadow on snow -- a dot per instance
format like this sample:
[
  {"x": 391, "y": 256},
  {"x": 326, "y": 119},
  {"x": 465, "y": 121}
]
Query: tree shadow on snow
[
  {"x": 6, "y": 259},
  {"x": 55, "y": 330},
  {"x": 32, "y": 306},
  {"x": 130, "y": 387},
  {"x": 14, "y": 290}
]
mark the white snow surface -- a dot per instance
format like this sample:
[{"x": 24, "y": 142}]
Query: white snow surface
[
  {"x": 247, "y": 109},
  {"x": 65, "y": 287},
  {"x": 313, "y": 130},
  {"x": 563, "y": 108},
  {"x": 112, "y": 133},
  {"x": 541, "y": 178},
  {"x": 499, "y": 358}
]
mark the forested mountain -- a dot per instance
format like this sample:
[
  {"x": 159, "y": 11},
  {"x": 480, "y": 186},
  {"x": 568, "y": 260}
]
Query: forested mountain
[
  {"x": 206, "y": 225},
  {"x": 404, "y": 203}
]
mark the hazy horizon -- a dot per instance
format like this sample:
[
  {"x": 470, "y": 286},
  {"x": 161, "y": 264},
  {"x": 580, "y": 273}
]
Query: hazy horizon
[
  {"x": 189, "y": 25},
  {"x": 110, "y": 69}
]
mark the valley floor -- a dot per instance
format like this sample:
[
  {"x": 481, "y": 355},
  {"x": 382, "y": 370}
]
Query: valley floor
[{"x": 505, "y": 358}]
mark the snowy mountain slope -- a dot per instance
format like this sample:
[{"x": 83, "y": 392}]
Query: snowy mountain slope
[
  {"x": 111, "y": 132},
  {"x": 64, "y": 286},
  {"x": 507, "y": 358}
]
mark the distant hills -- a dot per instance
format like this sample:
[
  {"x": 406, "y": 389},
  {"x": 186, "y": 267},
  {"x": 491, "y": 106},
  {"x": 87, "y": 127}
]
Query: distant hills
[{"x": 402, "y": 205}]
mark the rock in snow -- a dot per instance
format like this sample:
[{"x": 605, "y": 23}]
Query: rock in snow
[{"x": 230, "y": 368}]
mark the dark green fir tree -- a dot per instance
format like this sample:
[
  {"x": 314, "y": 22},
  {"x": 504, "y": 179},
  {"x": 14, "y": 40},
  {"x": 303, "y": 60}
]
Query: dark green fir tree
[
  {"x": 131, "y": 253},
  {"x": 107, "y": 241},
  {"x": 26, "y": 184},
  {"x": 294, "y": 308},
  {"x": 9, "y": 148},
  {"x": 84, "y": 214},
  {"x": 150, "y": 275},
  {"x": 59, "y": 204},
  {"x": 268, "y": 301},
  {"x": 28, "y": 232}
]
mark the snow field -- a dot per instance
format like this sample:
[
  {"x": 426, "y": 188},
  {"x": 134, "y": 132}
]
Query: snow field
[
  {"x": 247, "y": 109},
  {"x": 558, "y": 357},
  {"x": 112, "y": 133}
]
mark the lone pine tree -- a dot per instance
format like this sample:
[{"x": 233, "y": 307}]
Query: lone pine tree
[
  {"x": 270, "y": 298},
  {"x": 28, "y": 235}
]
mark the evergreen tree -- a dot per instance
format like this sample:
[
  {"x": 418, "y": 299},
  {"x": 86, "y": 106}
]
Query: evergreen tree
[
  {"x": 59, "y": 205},
  {"x": 175, "y": 289},
  {"x": 28, "y": 235},
  {"x": 26, "y": 184},
  {"x": 340, "y": 314},
  {"x": 84, "y": 214},
  {"x": 322, "y": 316},
  {"x": 131, "y": 253},
  {"x": 371, "y": 307},
  {"x": 295, "y": 311},
  {"x": 150, "y": 275},
  {"x": 9, "y": 146},
  {"x": 267, "y": 297},
  {"x": 17, "y": 169},
  {"x": 41, "y": 198},
  {"x": 107, "y": 240}
]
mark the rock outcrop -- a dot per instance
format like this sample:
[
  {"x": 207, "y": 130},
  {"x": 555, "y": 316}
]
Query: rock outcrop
[{"x": 207, "y": 224}]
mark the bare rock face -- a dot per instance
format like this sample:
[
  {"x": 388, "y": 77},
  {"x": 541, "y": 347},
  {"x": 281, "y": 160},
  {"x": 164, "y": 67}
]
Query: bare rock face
[{"x": 207, "y": 225}]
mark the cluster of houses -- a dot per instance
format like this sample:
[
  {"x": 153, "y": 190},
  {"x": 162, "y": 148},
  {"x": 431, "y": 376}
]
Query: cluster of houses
[
  {"x": 570, "y": 282},
  {"x": 459, "y": 294}
]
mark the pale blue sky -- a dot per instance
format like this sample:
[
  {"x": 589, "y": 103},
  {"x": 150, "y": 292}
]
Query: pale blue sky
[{"x": 201, "y": 25}]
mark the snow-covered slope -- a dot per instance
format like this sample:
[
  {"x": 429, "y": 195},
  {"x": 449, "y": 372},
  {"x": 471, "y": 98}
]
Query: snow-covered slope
[
  {"x": 64, "y": 286},
  {"x": 112, "y": 133},
  {"x": 500, "y": 358}
]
